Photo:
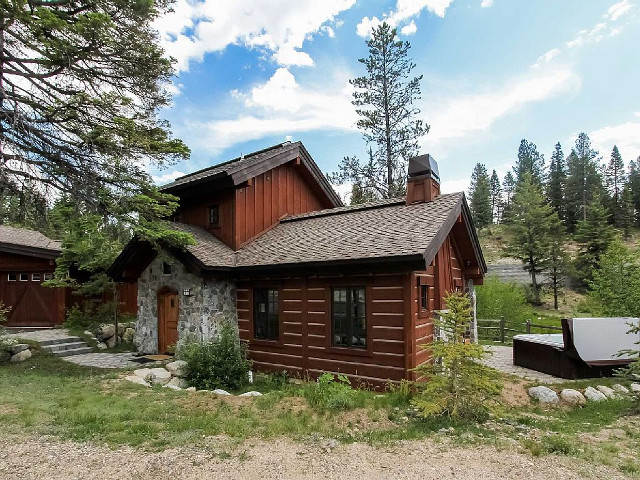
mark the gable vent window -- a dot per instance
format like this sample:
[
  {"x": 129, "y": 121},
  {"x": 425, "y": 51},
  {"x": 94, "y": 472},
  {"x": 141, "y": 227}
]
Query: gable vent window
[
  {"x": 166, "y": 268},
  {"x": 214, "y": 216}
]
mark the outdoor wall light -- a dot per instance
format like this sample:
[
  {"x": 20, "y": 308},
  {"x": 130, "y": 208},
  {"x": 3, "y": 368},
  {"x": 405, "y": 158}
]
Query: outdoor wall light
[{"x": 186, "y": 292}]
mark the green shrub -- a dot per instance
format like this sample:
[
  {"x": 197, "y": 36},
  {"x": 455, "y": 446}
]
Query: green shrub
[
  {"x": 334, "y": 393},
  {"x": 219, "y": 363},
  {"x": 459, "y": 385},
  {"x": 91, "y": 314},
  {"x": 5, "y": 342}
]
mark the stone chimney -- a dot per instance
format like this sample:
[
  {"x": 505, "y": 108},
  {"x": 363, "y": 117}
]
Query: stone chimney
[{"x": 423, "y": 184}]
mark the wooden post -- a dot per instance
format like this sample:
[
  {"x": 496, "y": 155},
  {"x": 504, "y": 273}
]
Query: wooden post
[
  {"x": 528, "y": 326},
  {"x": 501, "y": 329}
]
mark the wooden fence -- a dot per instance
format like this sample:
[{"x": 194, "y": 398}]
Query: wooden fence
[{"x": 503, "y": 330}]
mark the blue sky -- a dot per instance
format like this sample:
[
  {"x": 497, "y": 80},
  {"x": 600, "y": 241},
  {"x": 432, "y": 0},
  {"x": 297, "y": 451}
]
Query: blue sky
[{"x": 253, "y": 73}]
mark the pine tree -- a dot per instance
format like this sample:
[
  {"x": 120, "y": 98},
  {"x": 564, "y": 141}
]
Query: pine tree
[
  {"x": 557, "y": 181},
  {"x": 508, "y": 188},
  {"x": 385, "y": 101},
  {"x": 529, "y": 161},
  {"x": 594, "y": 235},
  {"x": 480, "y": 195},
  {"x": 496, "y": 197},
  {"x": 361, "y": 195},
  {"x": 558, "y": 260},
  {"x": 584, "y": 181},
  {"x": 459, "y": 385},
  {"x": 530, "y": 222},
  {"x": 627, "y": 215},
  {"x": 615, "y": 180},
  {"x": 634, "y": 185}
]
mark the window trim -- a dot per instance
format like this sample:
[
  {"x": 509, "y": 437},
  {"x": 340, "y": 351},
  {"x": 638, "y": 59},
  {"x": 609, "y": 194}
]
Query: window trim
[
  {"x": 15, "y": 279},
  {"x": 214, "y": 224},
  {"x": 252, "y": 333},
  {"x": 47, "y": 276},
  {"x": 170, "y": 268},
  {"x": 34, "y": 279},
  {"x": 20, "y": 277},
  {"x": 344, "y": 350}
]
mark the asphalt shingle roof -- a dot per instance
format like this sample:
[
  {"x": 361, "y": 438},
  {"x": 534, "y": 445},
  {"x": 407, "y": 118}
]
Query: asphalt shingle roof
[
  {"x": 27, "y": 238},
  {"x": 387, "y": 228}
]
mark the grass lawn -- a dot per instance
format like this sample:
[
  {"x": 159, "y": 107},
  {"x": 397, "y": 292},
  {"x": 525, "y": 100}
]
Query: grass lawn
[{"x": 47, "y": 396}]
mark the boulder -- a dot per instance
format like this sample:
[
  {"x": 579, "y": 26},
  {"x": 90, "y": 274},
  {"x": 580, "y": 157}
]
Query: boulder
[
  {"x": 620, "y": 389},
  {"x": 102, "y": 346},
  {"x": 127, "y": 336},
  {"x": 105, "y": 331},
  {"x": 121, "y": 328},
  {"x": 250, "y": 394},
  {"x": 20, "y": 347},
  {"x": 635, "y": 387},
  {"x": 111, "y": 342},
  {"x": 177, "y": 368},
  {"x": 594, "y": 395},
  {"x": 143, "y": 373},
  {"x": 172, "y": 387},
  {"x": 178, "y": 382},
  {"x": 572, "y": 397},
  {"x": 136, "y": 379},
  {"x": 21, "y": 356},
  {"x": 219, "y": 391},
  {"x": 190, "y": 389},
  {"x": 89, "y": 334},
  {"x": 158, "y": 376},
  {"x": 543, "y": 395},
  {"x": 609, "y": 392}
]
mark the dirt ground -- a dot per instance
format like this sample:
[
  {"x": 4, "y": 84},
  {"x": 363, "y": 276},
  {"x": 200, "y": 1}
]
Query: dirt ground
[{"x": 47, "y": 458}]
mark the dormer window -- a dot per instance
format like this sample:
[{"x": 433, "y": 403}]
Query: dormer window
[{"x": 214, "y": 216}]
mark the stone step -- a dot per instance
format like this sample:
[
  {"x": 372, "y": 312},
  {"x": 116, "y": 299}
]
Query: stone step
[
  {"x": 58, "y": 347},
  {"x": 58, "y": 341},
  {"x": 74, "y": 351}
]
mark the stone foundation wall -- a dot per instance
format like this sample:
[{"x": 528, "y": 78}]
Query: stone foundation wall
[{"x": 200, "y": 315}]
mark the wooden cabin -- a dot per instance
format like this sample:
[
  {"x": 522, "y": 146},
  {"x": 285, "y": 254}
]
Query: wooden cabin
[
  {"x": 314, "y": 286},
  {"x": 27, "y": 259}
]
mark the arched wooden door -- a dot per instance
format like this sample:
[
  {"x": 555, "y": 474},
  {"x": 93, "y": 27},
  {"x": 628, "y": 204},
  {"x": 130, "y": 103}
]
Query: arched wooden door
[{"x": 167, "y": 319}]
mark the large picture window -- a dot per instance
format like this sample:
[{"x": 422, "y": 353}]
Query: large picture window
[
  {"x": 348, "y": 317},
  {"x": 266, "y": 321}
]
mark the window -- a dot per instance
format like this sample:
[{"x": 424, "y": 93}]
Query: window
[
  {"x": 24, "y": 277},
  {"x": 265, "y": 317},
  {"x": 12, "y": 277},
  {"x": 424, "y": 297},
  {"x": 48, "y": 276},
  {"x": 166, "y": 268},
  {"x": 349, "y": 317},
  {"x": 214, "y": 216},
  {"x": 35, "y": 277}
]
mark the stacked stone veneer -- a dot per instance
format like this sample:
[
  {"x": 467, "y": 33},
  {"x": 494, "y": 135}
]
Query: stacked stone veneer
[{"x": 199, "y": 315}]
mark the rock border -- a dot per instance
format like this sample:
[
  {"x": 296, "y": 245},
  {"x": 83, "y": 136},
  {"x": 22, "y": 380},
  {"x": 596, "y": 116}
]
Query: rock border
[{"x": 569, "y": 396}]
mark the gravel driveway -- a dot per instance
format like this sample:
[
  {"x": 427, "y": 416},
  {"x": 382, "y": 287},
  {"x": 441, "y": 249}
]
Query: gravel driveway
[{"x": 46, "y": 458}]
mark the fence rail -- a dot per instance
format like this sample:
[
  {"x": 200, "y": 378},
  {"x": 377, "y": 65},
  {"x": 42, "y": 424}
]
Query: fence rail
[{"x": 501, "y": 327}]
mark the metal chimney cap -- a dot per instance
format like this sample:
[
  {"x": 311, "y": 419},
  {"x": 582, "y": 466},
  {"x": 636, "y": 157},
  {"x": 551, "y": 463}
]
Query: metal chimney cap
[{"x": 422, "y": 165}]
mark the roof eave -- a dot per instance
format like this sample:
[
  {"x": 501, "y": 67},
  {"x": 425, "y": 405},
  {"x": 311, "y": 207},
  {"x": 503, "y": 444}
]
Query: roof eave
[{"x": 49, "y": 254}]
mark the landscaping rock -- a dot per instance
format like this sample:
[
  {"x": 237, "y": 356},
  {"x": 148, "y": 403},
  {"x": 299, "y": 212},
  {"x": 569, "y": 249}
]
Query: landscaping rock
[
  {"x": 250, "y": 394},
  {"x": 105, "y": 331},
  {"x": 136, "y": 379},
  {"x": 20, "y": 347},
  {"x": 594, "y": 395},
  {"x": 111, "y": 342},
  {"x": 190, "y": 389},
  {"x": 21, "y": 356},
  {"x": 143, "y": 373},
  {"x": 102, "y": 346},
  {"x": 620, "y": 389},
  {"x": 89, "y": 334},
  {"x": 543, "y": 395},
  {"x": 121, "y": 328},
  {"x": 177, "y": 368},
  {"x": 609, "y": 392},
  {"x": 635, "y": 387},
  {"x": 172, "y": 387},
  {"x": 127, "y": 336},
  {"x": 572, "y": 397},
  {"x": 178, "y": 382},
  {"x": 159, "y": 376},
  {"x": 219, "y": 391}
]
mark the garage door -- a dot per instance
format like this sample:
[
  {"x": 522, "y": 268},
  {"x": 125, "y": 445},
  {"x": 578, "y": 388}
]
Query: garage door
[{"x": 30, "y": 303}]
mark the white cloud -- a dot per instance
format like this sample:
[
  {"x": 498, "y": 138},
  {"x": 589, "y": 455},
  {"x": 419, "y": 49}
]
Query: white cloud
[
  {"x": 163, "y": 178},
  {"x": 451, "y": 186},
  {"x": 626, "y": 136},
  {"x": 405, "y": 11},
  {"x": 281, "y": 106},
  {"x": 637, "y": 114},
  {"x": 409, "y": 29},
  {"x": 547, "y": 57},
  {"x": 470, "y": 113},
  {"x": 486, "y": 3},
  {"x": 618, "y": 9},
  {"x": 280, "y": 27}
]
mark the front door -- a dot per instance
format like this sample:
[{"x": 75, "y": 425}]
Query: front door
[{"x": 167, "y": 320}]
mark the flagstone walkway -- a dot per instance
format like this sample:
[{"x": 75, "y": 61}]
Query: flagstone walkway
[
  {"x": 104, "y": 360},
  {"x": 502, "y": 360}
]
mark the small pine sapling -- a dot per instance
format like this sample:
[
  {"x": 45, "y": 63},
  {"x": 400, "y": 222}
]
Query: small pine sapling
[{"x": 458, "y": 384}]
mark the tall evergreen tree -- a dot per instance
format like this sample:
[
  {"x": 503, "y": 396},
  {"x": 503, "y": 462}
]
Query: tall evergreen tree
[
  {"x": 496, "y": 197},
  {"x": 557, "y": 181},
  {"x": 529, "y": 161},
  {"x": 584, "y": 181},
  {"x": 508, "y": 188},
  {"x": 480, "y": 195},
  {"x": 530, "y": 222},
  {"x": 385, "y": 100},
  {"x": 594, "y": 235},
  {"x": 634, "y": 186},
  {"x": 361, "y": 195},
  {"x": 626, "y": 211},
  {"x": 557, "y": 262},
  {"x": 616, "y": 179}
]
